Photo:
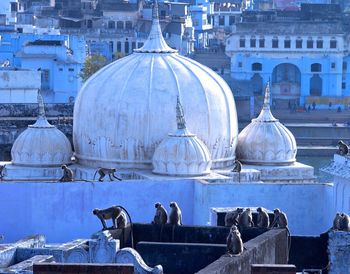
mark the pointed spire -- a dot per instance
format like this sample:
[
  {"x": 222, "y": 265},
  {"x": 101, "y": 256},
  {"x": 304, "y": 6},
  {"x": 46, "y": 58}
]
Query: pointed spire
[
  {"x": 180, "y": 118},
  {"x": 265, "y": 114},
  {"x": 155, "y": 42},
  {"x": 41, "y": 122},
  {"x": 41, "y": 106},
  {"x": 267, "y": 96}
]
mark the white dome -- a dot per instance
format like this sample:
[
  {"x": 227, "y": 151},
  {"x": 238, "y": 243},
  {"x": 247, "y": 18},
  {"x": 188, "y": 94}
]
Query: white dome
[
  {"x": 265, "y": 141},
  {"x": 41, "y": 144},
  {"x": 126, "y": 109},
  {"x": 182, "y": 153}
]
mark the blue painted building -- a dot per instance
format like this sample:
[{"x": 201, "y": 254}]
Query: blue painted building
[
  {"x": 58, "y": 57},
  {"x": 306, "y": 60}
]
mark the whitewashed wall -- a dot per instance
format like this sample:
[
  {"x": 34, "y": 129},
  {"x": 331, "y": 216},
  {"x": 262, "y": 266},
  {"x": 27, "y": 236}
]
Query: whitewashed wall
[{"x": 62, "y": 211}]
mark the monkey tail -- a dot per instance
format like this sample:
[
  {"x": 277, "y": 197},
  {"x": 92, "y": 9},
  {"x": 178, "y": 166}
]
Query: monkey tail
[
  {"x": 131, "y": 228},
  {"x": 95, "y": 174}
]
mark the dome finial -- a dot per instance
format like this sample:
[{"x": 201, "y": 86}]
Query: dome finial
[
  {"x": 180, "y": 117},
  {"x": 41, "y": 106},
  {"x": 267, "y": 96},
  {"x": 155, "y": 42}
]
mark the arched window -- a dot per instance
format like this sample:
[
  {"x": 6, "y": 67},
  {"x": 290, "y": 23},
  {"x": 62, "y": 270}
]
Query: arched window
[
  {"x": 310, "y": 43},
  {"x": 275, "y": 42},
  {"x": 252, "y": 42},
  {"x": 316, "y": 67},
  {"x": 299, "y": 43},
  {"x": 242, "y": 42},
  {"x": 287, "y": 42},
  {"x": 256, "y": 67}
]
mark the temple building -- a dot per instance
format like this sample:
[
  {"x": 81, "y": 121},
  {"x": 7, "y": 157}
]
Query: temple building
[{"x": 169, "y": 126}]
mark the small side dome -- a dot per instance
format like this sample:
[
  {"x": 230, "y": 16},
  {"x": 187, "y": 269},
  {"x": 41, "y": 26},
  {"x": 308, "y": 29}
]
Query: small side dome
[
  {"x": 182, "y": 153},
  {"x": 265, "y": 141},
  {"x": 41, "y": 144}
]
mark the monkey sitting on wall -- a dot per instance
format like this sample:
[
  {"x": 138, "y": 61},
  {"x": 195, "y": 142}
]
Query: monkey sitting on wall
[
  {"x": 175, "y": 217},
  {"x": 68, "y": 175},
  {"x": 263, "y": 220},
  {"x": 161, "y": 216},
  {"x": 232, "y": 217},
  {"x": 234, "y": 242},
  {"x": 246, "y": 219},
  {"x": 336, "y": 221},
  {"x": 280, "y": 219},
  {"x": 122, "y": 220},
  {"x": 106, "y": 171},
  {"x": 112, "y": 212},
  {"x": 342, "y": 148}
]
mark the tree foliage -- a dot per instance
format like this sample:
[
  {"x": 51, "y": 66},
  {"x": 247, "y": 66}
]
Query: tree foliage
[{"x": 92, "y": 64}]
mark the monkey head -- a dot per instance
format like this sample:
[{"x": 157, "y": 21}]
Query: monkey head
[
  {"x": 95, "y": 211},
  {"x": 234, "y": 228},
  {"x": 63, "y": 166},
  {"x": 173, "y": 205},
  {"x": 156, "y": 205},
  {"x": 259, "y": 209},
  {"x": 276, "y": 211},
  {"x": 340, "y": 142},
  {"x": 239, "y": 209}
]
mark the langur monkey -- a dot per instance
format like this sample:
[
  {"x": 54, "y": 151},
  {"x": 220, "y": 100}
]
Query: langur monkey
[
  {"x": 280, "y": 219},
  {"x": 68, "y": 175},
  {"x": 106, "y": 171},
  {"x": 112, "y": 212},
  {"x": 234, "y": 242},
  {"x": 263, "y": 218},
  {"x": 161, "y": 216},
  {"x": 232, "y": 217},
  {"x": 246, "y": 219},
  {"x": 175, "y": 217}
]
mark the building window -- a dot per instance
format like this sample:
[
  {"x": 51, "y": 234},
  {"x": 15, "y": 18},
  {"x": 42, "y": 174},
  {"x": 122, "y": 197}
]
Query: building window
[
  {"x": 128, "y": 25},
  {"x": 333, "y": 44},
  {"x": 299, "y": 43},
  {"x": 60, "y": 69},
  {"x": 333, "y": 65},
  {"x": 139, "y": 45},
  {"x": 221, "y": 20},
  {"x": 319, "y": 44},
  {"x": 119, "y": 46},
  {"x": 71, "y": 69},
  {"x": 343, "y": 85},
  {"x": 111, "y": 24},
  {"x": 120, "y": 25},
  {"x": 345, "y": 66},
  {"x": 232, "y": 20},
  {"x": 316, "y": 67},
  {"x": 252, "y": 42},
  {"x": 275, "y": 43},
  {"x": 287, "y": 43},
  {"x": 241, "y": 42},
  {"x": 240, "y": 64},
  {"x": 261, "y": 43},
  {"x": 133, "y": 45},
  {"x": 310, "y": 44},
  {"x": 126, "y": 45},
  {"x": 257, "y": 67}
]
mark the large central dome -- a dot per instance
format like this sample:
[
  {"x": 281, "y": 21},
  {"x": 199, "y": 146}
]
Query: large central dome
[{"x": 127, "y": 108}]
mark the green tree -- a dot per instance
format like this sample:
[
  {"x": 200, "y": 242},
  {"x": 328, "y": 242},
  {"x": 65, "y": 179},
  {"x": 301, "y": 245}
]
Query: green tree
[{"x": 92, "y": 64}]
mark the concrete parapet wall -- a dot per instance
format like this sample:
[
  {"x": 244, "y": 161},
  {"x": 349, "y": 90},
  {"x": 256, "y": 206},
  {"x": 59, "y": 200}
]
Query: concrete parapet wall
[
  {"x": 339, "y": 252},
  {"x": 268, "y": 248}
]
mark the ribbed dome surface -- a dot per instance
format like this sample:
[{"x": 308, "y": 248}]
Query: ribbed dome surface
[
  {"x": 265, "y": 141},
  {"x": 126, "y": 109},
  {"x": 181, "y": 154},
  {"x": 41, "y": 145}
]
